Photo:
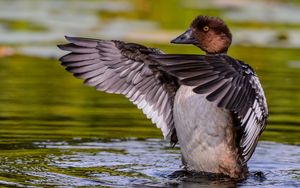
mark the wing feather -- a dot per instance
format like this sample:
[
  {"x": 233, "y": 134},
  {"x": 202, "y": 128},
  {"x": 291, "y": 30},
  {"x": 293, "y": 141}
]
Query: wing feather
[{"x": 123, "y": 68}]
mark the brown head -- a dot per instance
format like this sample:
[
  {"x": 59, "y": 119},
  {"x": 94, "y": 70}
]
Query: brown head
[{"x": 210, "y": 34}]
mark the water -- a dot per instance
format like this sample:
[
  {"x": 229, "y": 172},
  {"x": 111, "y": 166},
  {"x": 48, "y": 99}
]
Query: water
[
  {"x": 133, "y": 162},
  {"x": 56, "y": 132}
]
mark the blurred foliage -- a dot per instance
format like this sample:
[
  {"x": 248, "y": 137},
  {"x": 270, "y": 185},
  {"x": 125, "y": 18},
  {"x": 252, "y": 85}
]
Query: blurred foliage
[
  {"x": 21, "y": 25},
  {"x": 163, "y": 14}
]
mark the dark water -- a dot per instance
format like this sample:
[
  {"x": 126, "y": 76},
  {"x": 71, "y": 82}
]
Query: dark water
[{"x": 56, "y": 132}]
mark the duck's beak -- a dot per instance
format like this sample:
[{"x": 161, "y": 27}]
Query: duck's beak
[{"x": 185, "y": 38}]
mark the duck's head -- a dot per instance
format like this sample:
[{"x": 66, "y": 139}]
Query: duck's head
[{"x": 211, "y": 34}]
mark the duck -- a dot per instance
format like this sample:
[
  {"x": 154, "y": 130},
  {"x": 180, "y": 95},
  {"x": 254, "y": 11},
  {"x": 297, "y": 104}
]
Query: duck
[{"x": 212, "y": 104}]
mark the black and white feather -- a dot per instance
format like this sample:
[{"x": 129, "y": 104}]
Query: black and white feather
[
  {"x": 124, "y": 68},
  {"x": 231, "y": 84}
]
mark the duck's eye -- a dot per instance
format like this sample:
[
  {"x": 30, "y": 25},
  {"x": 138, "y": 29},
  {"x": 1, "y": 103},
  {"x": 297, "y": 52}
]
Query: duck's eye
[{"x": 205, "y": 28}]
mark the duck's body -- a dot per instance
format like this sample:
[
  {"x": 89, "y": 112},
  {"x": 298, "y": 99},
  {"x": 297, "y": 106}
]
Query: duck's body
[
  {"x": 206, "y": 134},
  {"x": 212, "y": 104}
]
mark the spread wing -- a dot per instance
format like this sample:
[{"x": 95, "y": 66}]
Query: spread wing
[
  {"x": 231, "y": 84},
  {"x": 124, "y": 68}
]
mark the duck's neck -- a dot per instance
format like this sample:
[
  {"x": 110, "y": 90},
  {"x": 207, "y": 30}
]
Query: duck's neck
[{"x": 222, "y": 53}]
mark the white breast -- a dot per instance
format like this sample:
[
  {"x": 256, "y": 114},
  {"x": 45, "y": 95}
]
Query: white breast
[{"x": 205, "y": 132}]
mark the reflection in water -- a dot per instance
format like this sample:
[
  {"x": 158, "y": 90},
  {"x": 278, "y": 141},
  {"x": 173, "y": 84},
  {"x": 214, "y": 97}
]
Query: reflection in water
[
  {"x": 132, "y": 162},
  {"x": 39, "y": 100}
]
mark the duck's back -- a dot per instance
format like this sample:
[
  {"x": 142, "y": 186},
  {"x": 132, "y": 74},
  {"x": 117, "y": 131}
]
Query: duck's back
[{"x": 206, "y": 134}]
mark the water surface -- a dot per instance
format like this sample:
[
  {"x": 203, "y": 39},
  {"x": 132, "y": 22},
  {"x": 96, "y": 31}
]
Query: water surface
[{"x": 134, "y": 162}]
